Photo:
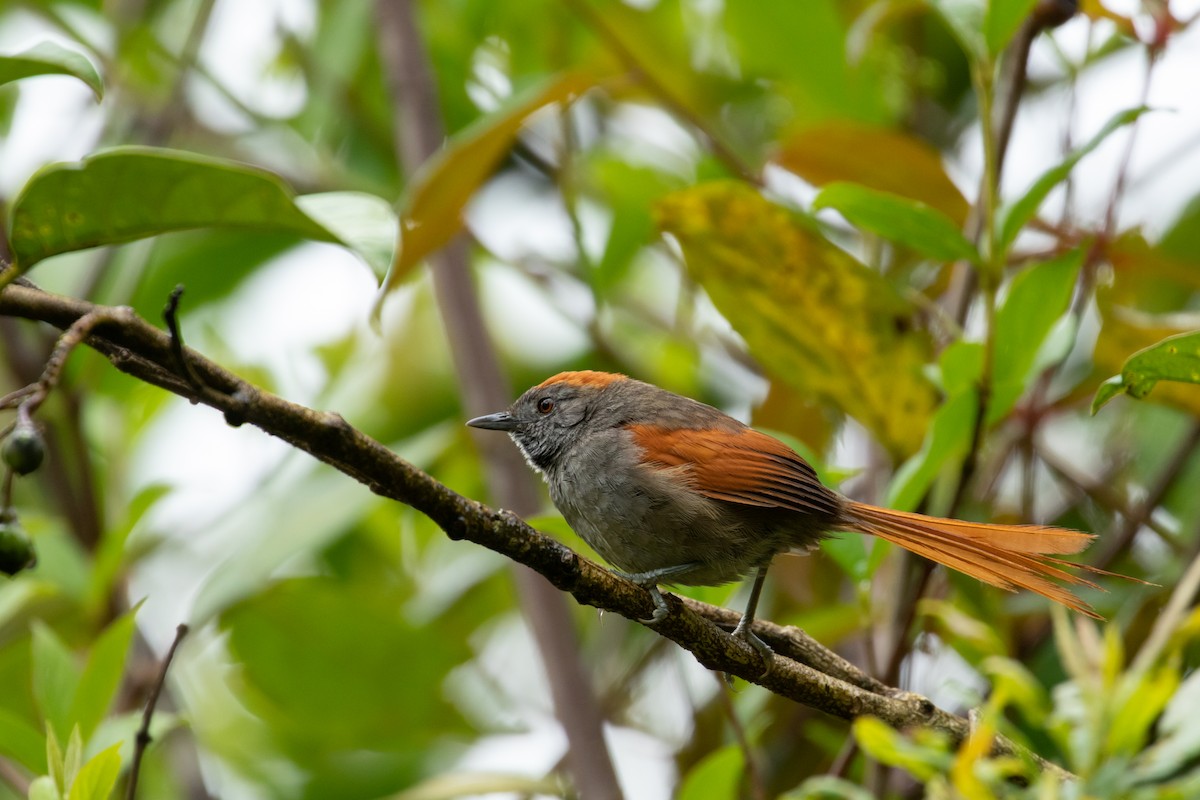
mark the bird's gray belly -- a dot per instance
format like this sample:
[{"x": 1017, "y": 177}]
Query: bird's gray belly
[{"x": 639, "y": 521}]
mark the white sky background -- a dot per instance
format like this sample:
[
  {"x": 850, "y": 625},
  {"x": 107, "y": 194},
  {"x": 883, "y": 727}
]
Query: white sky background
[{"x": 57, "y": 119}]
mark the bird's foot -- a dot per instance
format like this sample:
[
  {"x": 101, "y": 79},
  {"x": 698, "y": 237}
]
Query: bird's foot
[
  {"x": 649, "y": 582},
  {"x": 743, "y": 632},
  {"x": 661, "y": 610}
]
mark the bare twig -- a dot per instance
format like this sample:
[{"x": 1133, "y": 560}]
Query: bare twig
[
  {"x": 1118, "y": 189},
  {"x": 1113, "y": 502},
  {"x": 143, "y": 738},
  {"x": 72, "y": 338},
  {"x": 139, "y": 349},
  {"x": 170, "y": 312}
]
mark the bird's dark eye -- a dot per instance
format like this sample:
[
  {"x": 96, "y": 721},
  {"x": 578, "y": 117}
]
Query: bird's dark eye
[{"x": 545, "y": 405}]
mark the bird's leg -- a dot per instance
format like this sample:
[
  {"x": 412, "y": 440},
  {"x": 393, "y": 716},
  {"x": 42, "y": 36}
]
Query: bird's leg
[
  {"x": 742, "y": 631},
  {"x": 650, "y": 580}
]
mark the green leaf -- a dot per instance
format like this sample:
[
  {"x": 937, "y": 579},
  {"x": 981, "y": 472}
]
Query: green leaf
[
  {"x": 1013, "y": 683},
  {"x": 55, "y": 677},
  {"x": 1015, "y": 217},
  {"x": 1036, "y": 300},
  {"x": 320, "y": 695},
  {"x": 1176, "y": 358},
  {"x": 129, "y": 193},
  {"x": 850, "y": 553},
  {"x": 900, "y": 220},
  {"x": 102, "y": 674},
  {"x": 1138, "y": 704},
  {"x": 947, "y": 442},
  {"x": 73, "y": 759},
  {"x": 972, "y": 637},
  {"x": 363, "y": 222},
  {"x": 48, "y": 58},
  {"x": 270, "y": 531},
  {"x": 827, "y": 787},
  {"x": 22, "y": 742},
  {"x": 890, "y": 747},
  {"x": 431, "y": 212},
  {"x": 966, "y": 20},
  {"x": 961, "y": 367},
  {"x": 1182, "y": 239},
  {"x": 55, "y": 768},
  {"x": 1002, "y": 20},
  {"x": 716, "y": 776},
  {"x": 652, "y": 40},
  {"x": 1178, "y": 734},
  {"x": 816, "y": 75},
  {"x": 98, "y": 776},
  {"x": 811, "y": 314},
  {"x": 109, "y": 557}
]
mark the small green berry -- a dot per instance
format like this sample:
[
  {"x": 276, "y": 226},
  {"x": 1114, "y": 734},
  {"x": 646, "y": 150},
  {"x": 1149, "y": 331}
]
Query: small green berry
[
  {"x": 16, "y": 550},
  {"x": 24, "y": 448}
]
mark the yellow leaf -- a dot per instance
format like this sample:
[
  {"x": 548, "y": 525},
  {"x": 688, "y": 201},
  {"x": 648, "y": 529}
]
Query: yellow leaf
[
  {"x": 811, "y": 314},
  {"x": 878, "y": 158},
  {"x": 973, "y": 750}
]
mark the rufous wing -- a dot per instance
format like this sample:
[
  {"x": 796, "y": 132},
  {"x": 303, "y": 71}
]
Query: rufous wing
[{"x": 738, "y": 465}]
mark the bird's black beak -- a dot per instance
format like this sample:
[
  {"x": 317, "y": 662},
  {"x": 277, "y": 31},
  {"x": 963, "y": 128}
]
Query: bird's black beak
[{"x": 500, "y": 421}]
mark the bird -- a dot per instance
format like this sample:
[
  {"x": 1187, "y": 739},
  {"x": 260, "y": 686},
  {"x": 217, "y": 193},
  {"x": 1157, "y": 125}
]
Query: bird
[{"x": 671, "y": 491}]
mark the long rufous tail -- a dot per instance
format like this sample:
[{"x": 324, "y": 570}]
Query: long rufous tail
[{"x": 1008, "y": 556}]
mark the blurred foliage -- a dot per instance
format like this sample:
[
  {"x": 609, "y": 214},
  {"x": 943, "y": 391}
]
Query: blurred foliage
[{"x": 779, "y": 208}]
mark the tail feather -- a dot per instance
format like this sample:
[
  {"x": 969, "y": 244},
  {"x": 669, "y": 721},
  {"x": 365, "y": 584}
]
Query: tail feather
[
  {"x": 1018, "y": 538},
  {"x": 1007, "y": 556}
]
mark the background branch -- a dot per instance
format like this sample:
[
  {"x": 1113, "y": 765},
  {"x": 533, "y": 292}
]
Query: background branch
[{"x": 420, "y": 134}]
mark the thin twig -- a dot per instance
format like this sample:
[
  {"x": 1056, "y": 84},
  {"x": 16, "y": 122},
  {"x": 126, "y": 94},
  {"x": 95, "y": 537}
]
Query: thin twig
[
  {"x": 72, "y": 338},
  {"x": 1113, "y": 502},
  {"x": 143, "y": 738},
  {"x": 170, "y": 312},
  {"x": 1118, "y": 190}
]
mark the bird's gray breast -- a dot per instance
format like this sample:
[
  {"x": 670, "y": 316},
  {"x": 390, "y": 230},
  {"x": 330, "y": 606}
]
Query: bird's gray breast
[
  {"x": 642, "y": 519},
  {"x": 597, "y": 488}
]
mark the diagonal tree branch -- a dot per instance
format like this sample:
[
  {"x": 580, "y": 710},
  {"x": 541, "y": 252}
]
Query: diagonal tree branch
[{"x": 806, "y": 672}]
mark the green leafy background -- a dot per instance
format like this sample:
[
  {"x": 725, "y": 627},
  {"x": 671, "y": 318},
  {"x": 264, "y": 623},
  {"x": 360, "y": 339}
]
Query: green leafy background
[{"x": 777, "y": 208}]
